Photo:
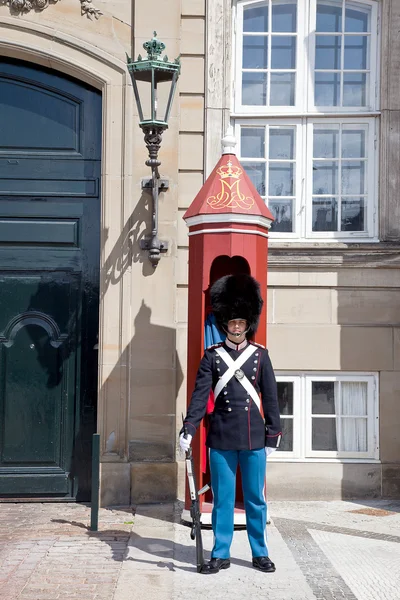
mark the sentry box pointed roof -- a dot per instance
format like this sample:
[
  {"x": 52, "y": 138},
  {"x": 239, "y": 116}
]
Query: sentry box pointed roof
[{"x": 228, "y": 195}]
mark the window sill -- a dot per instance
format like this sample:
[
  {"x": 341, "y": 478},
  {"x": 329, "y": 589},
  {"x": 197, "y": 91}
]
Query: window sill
[
  {"x": 290, "y": 112},
  {"x": 333, "y": 254}
]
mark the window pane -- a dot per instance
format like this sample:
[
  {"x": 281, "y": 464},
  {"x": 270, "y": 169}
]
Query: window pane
[
  {"x": 324, "y": 434},
  {"x": 353, "y": 214},
  {"x": 326, "y": 143},
  {"x": 285, "y": 397},
  {"x": 327, "y": 89},
  {"x": 353, "y": 177},
  {"x": 280, "y": 179},
  {"x": 286, "y": 444},
  {"x": 355, "y": 52},
  {"x": 328, "y": 52},
  {"x": 283, "y": 52},
  {"x": 324, "y": 215},
  {"x": 256, "y": 172},
  {"x": 284, "y": 17},
  {"x": 354, "y": 89},
  {"x": 282, "y": 89},
  {"x": 281, "y": 143},
  {"x": 282, "y": 211},
  {"x": 252, "y": 142},
  {"x": 255, "y": 52},
  {"x": 323, "y": 398},
  {"x": 256, "y": 18},
  {"x": 354, "y": 398},
  {"x": 353, "y": 143},
  {"x": 254, "y": 89},
  {"x": 325, "y": 176},
  {"x": 329, "y": 18},
  {"x": 354, "y": 435},
  {"x": 357, "y": 21}
]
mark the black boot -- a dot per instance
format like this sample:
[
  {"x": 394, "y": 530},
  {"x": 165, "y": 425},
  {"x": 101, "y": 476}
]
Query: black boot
[
  {"x": 263, "y": 563},
  {"x": 214, "y": 565}
]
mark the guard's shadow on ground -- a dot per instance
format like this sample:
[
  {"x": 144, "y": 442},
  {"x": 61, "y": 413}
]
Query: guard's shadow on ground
[
  {"x": 169, "y": 555},
  {"x": 111, "y": 537}
]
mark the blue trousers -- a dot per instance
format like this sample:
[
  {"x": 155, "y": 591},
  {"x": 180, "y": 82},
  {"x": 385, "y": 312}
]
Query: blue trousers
[{"x": 223, "y": 467}]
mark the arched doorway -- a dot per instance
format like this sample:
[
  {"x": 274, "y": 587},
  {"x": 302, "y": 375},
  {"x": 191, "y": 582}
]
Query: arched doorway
[{"x": 50, "y": 151}]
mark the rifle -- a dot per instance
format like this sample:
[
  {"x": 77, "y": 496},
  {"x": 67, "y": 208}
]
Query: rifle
[{"x": 195, "y": 532}]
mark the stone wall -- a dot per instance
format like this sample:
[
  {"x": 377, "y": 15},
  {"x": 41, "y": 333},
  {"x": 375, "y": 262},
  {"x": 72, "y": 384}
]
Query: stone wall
[{"x": 331, "y": 307}]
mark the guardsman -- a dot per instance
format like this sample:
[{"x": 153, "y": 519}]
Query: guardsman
[{"x": 245, "y": 424}]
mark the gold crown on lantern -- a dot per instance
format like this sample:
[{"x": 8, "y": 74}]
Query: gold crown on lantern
[{"x": 229, "y": 170}]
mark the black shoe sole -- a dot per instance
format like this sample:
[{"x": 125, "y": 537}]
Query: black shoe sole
[
  {"x": 264, "y": 570},
  {"x": 209, "y": 572}
]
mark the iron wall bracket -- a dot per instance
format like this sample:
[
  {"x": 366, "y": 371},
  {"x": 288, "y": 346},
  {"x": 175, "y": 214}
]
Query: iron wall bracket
[
  {"x": 152, "y": 243},
  {"x": 163, "y": 184}
]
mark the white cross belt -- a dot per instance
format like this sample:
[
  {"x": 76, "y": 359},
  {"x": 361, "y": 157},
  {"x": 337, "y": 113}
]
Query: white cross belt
[{"x": 233, "y": 366}]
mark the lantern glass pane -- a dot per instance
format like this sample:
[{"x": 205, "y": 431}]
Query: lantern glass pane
[
  {"x": 144, "y": 90},
  {"x": 171, "y": 94},
  {"x": 155, "y": 98},
  {"x": 137, "y": 98}
]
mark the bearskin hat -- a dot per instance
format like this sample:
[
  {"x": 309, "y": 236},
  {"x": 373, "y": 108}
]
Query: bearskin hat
[{"x": 236, "y": 297}]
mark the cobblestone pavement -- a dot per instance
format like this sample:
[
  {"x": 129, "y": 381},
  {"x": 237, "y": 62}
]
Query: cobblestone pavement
[
  {"x": 322, "y": 550},
  {"x": 47, "y": 552}
]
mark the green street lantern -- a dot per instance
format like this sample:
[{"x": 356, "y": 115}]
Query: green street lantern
[{"x": 154, "y": 71}]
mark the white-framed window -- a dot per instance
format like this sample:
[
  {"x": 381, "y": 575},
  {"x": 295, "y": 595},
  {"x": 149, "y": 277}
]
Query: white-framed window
[
  {"x": 343, "y": 53},
  {"x": 317, "y": 176},
  {"x": 267, "y": 55},
  {"x": 305, "y": 55},
  {"x": 306, "y": 114},
  {"x": 328, "y": 416}
]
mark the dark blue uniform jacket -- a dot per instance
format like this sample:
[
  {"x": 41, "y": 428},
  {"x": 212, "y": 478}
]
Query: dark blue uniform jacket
[{"x": 236, "y": 423}]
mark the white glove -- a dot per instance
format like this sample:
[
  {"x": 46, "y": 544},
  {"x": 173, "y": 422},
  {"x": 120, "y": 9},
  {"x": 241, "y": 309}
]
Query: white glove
[
  {"x": 269, "y": 450},
  {"x": 185, "y": 442}
]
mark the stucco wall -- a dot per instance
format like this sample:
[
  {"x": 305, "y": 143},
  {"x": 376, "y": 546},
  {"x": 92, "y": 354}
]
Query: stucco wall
[
  {"x": 327, "y": 310},
  {"x": 138, "y": 364}
]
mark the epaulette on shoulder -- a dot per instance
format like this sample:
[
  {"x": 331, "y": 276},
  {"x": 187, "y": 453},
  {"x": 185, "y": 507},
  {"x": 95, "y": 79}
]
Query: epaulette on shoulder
[
  {"x": 215, "y": 346},
  {"x": 258, "y": 345}
]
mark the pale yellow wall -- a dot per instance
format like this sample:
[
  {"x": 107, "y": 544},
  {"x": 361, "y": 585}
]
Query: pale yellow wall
[
  {"x": 60, "y": 37},
  {"x": 111, "y": 32},
  {"x": 138, "y": 363},
  {"x": 319, "y": 319},
  {"x": 341, "y": 320},
  {"x": 327, "y": 319}
]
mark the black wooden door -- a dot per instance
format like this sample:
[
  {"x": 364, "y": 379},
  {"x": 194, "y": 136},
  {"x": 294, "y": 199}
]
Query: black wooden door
[{"x": 50, "y": 144}]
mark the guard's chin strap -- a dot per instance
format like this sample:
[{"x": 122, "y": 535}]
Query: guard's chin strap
[{"x": 237, "y": 334}]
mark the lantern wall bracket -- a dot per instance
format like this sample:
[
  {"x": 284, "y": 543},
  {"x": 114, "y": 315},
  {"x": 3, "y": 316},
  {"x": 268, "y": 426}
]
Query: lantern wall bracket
[
  {"x": 151, "y": 243},
  {"x": 147, "y": 184},
  {"x": 154, "y": 70}
]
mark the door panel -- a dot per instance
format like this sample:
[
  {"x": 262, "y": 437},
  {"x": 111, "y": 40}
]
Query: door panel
[
  {"x": 44, "y": 112},
  {"x": 32, "y": 404},
  {"x": 37, "y": 377},
  {"x": 49, "y": 281},
  {"x": 54, "y": 114}
]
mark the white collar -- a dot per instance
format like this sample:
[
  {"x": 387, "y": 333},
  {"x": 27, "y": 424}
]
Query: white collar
[{"x": 234, "y": 346}]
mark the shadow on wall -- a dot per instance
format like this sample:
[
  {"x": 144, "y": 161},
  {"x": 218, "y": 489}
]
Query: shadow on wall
[
  {"x": 127, "y": 249},
  {"x": 146, "y": 380},
  {"x": 149, "y": 375}
]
